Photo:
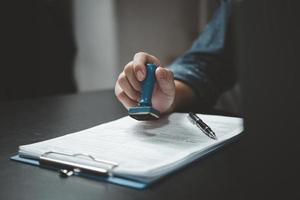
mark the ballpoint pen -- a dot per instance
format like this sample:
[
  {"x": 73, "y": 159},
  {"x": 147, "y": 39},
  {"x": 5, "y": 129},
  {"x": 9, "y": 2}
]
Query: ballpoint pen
[{"x": 201, "y": 125}]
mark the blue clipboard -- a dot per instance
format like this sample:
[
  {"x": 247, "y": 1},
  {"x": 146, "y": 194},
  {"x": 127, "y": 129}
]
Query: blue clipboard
[
  {"x": 123, "y": 181},
  {"x": 111, "y": 179}
]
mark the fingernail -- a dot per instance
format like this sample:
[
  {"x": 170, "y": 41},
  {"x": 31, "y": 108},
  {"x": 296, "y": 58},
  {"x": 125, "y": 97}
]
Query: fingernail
[
  {"x": 163, "y": 75},
  {"x": 140, "y": 75}
]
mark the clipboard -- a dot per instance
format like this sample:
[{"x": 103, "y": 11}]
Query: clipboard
[
  {"x": 107, "y": 175},
  {"x": 67, "y": 169}
]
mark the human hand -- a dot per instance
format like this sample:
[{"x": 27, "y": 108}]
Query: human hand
[{"x": 128, "y": 85}]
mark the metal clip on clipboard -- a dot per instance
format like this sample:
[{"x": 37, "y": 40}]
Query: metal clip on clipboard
[{"x": 68, "y": 168}]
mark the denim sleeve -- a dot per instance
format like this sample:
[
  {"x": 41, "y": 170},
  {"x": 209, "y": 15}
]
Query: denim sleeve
[{"x": 208, "y": 67}]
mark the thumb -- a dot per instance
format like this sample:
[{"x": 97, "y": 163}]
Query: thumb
[{"x": 165, "y": 81}]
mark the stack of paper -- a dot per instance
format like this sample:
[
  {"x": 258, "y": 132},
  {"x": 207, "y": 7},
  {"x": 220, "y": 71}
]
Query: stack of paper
[{"x": 144, "y": 151}]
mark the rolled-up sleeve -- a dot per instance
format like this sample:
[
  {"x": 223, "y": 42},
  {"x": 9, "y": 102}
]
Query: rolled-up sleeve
[{"x": 208, "y": 67}]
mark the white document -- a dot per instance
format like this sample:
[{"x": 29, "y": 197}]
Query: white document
[{"x": 143, "y": 150}]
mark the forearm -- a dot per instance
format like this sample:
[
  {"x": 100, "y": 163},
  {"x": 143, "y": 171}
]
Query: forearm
[
  {"x": 184, "y": 97},
  {"x": 208, "y": 67}
]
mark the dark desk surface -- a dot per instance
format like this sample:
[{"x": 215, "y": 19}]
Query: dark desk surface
[{"x": 218, "y": 176}]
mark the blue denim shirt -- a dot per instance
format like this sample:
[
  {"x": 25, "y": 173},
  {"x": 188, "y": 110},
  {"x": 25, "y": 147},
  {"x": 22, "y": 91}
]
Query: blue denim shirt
[{"x": 208, "y": 67}]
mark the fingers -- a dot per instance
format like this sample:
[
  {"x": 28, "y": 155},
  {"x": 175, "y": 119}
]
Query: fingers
[
  {"x": 165, "y": 80},
  {"x": 123, "y": 98},
  {"x": 129, "y": 72},
  {"x": 139, "y": 61},
  {"x": 127, "y": 88},
  {"x": 128, "y": 85}
]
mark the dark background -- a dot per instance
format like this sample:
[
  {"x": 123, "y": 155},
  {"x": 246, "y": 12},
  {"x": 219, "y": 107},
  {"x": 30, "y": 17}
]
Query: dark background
[
  {"x": 38, "y": 49},
  {"x": 268, "y": 52}
]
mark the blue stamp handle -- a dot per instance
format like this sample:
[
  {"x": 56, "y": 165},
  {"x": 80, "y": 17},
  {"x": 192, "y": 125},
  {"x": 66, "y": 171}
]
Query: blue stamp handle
[{"x": 148, "y": 85}]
